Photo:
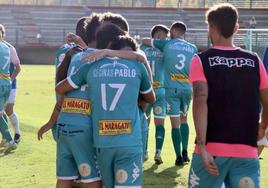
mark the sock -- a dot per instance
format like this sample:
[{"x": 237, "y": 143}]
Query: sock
[
  {"x": 176, "y": 138},
  {"x": 184, "y": 135},
  {"x": 4, "y": 129},
  {"x": 159, "y": 137},
  {"x": 15, "y": 122}
]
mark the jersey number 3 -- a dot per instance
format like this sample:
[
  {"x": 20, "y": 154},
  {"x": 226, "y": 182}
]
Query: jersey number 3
[{"x": 120, "y": 88}]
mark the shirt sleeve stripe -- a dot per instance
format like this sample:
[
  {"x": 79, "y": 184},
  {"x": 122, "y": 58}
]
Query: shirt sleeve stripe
[
  {"x": 72, "y": 83},
  {"x": 147, "y": 91},
  {"x": 152, "y": 43}
]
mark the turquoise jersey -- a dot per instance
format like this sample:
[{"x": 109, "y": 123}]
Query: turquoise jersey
[
  {"x": 60, "y": 54},
  {"x": 76, "y": 107},
  {"x": 4, "y": 64},
  {"x": 114, "y": 87},
  {"x": 155, "y": 58},
  {"x": 177, "y": 58}
]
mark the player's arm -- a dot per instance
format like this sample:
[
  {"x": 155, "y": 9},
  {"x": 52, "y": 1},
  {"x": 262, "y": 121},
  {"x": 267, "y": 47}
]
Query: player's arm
[
  {"x": 51, "y": 122},
  {"x": 74, "y": 81},
  {"x": 146, "y": 89},
  {"x": 264, "y": 100},
  {"x": 200, "y": 113},
  {"x": 62, "y": 70},
  {"x": 73, "y": 38},
  {"x": 156, "y": 43},
  {"x": 16, "y": 61}
]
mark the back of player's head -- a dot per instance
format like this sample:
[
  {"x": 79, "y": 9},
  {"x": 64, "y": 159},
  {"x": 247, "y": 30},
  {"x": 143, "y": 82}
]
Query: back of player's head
[
  {"x": 124, "y": 42},
  {"x": 91, "y": 25},
  {"x": 116, "y": 19},
  {"x": 80, "y": 31},
  {"x": 106, "y": 34},
  {"x": 157, "y": 28},
  {"x": 2, "y": 32},
  {"x": 224, "y": 17},
  {"x": 179, "y": 26}
]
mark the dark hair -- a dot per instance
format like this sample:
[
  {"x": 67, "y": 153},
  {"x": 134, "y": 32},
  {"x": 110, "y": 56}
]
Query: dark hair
[
  {"x": 224, "y": 17},
  {"x": 179, "y": 26},
  {"x": 91, "y": 25},
  {"x": 80, "y": 30},
  {"x": 159, "y": 27},
  {"x": 123, "y": 41},
  {"x": 116, "y": 19},
  {"x": 3, "y": 31},
  {"x": 106, "y": 34}
]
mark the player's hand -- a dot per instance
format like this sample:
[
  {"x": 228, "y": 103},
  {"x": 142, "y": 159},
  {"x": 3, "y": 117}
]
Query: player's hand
[
  {"x": 71, "y": 38},
  {"x": 261, "y": 133},
  {"x": 209, "y": 163},
  {"x": 43, "y": 130},
  {"x": 95, "y": 56}
]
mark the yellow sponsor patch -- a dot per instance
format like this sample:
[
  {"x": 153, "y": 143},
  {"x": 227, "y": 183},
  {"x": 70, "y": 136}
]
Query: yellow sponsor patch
[
  {"x": 179, "y": 77},
  {"x": 114, "y": 127},
  {"x": 5, "y": 76},
  {"x": 156, "y": 84},
  {"x": 77, "y": 106}
]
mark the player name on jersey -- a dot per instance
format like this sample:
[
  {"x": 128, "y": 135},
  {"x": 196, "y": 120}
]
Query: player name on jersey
[
  {"x": 114, "y": 127},
  {"x": 114, "y": 69},
  {"x": 231, "y": 62},
  {"x": 73, "y": 105}
]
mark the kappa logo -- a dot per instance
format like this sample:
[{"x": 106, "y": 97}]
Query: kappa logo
[
  {"x": 121, "y": 176},
  {"x": 230, "y": 62},
  {"x": 194, "y": 179},
  {"x": 168, "y": 107},
  {"x": 135, "y": 173},
  {"x": 84, "y": 169}
]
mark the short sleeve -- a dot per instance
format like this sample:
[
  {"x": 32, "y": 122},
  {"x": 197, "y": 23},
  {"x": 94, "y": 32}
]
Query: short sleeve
[
  {"x": 14, "y": 56},
  {"x": 196, "y": 70},
  {"x": 146, "y": 85},
  {"x": 80, "y": 77},
  {"x": 160, "y": 44},
  {"x": 263, "y": 76}
]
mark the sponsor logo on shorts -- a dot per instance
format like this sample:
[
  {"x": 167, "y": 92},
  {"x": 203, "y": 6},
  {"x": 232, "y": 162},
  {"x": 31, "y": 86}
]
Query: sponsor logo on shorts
[
  {"x": 179, "y": 77},
  {"x": 114, "y": 127},
  {"x": 194, "y": 179},
  {"x": 158, "y": 110},
  {"x": 5, "y": 76},
  {"x": 77, "y": 106},
  {"x": 136, "y": 172},
  {"x": 246, "y": 182},
  {"x": 84, "y": 169},
  {"x": 168, "y": 107},
  {"x": 121, "y": 176},
  {"x": 156, "y": 84}
]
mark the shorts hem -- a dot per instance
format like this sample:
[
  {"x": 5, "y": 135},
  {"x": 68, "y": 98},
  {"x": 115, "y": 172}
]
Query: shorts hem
[
  {"x": 90, "y": 180},
  {"x": 160, "y": 117},
  {"x": 127, "y": 186},
  {"x": 174, "y": 115},
  {"x": 67, "y": 177}
]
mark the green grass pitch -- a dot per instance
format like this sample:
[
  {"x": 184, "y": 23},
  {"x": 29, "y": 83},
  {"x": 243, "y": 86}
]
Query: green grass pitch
[{"x": 32, "y": 165}]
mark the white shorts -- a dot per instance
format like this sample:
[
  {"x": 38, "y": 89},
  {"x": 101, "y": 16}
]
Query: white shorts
[{"x": 12, "y": 96}]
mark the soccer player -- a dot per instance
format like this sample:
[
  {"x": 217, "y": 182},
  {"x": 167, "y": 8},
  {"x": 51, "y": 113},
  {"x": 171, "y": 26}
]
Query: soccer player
[
  {"x": 5, "y": 86},
  {"x": 116, "y": 19},
  {"x": 115, "y": 115},
  {"x": 74, "y": 125},
  {"x": 155, "y": 58},
  {"x": 178, "y": 91},
  {"x": 14, "y": 70},
  {"x": 228, "y": 83}
]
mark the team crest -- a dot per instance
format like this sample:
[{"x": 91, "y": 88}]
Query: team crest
[
  {"x": 121, "y": 176},
  {"x": 158, "y": 110},
  {"x": 246, "y": 182},
  {"x": 84, "y": 169}
]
